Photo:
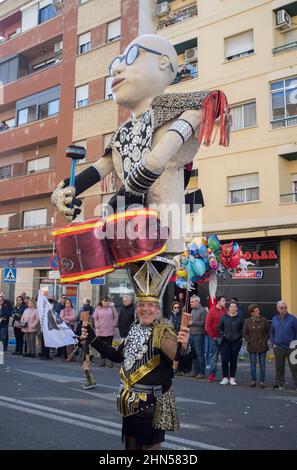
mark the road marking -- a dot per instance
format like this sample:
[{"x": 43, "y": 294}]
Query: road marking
[
  {"x": 86, "y": 421},
  {"x": 68, "y": 379},
  {"x": 63, "y": 378}
]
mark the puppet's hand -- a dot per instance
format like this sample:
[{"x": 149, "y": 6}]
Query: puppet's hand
[
  {"x": 62, "y": 197},
  {"x": 123, "y": 199}
]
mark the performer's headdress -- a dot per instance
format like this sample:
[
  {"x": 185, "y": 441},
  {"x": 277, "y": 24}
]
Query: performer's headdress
[{"x": 150, "y": 278}]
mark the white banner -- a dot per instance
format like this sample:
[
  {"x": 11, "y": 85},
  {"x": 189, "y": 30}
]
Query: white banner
[{"x": 55, "y": 333}]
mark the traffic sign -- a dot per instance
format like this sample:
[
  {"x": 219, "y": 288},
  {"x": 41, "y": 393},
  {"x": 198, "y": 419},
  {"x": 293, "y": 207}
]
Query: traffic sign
[
  {"x": 10, "y": 274},
  {"x": 54, "y": 262},
  {"x": 54, "y": 275},
  {"x": 98, "y": 281}
]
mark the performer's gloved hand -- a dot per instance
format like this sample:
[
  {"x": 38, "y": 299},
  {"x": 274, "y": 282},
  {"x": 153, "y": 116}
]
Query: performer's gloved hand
[
  {"x": 123, "y": 199},
  {"x": 62, "y": 196},
  {"x": 87, "y": 333}
]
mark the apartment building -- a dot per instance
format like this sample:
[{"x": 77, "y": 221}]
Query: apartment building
[{"x": 248, "y": 50}]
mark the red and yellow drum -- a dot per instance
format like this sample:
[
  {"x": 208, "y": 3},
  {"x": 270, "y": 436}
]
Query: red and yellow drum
[
  {"x": 97, "y": 247},
  {"x": 82, "y": 254},
  {"x": 135, "y": 235}
]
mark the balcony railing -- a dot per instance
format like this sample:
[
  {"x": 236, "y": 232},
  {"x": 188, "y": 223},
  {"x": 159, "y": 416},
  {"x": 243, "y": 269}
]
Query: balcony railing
[
  {"x": 287, "y": 198},
  {"x": 185, "y": 72},
  {"x": 284, "y": 48},
  {"x": 178, "y": 16}
]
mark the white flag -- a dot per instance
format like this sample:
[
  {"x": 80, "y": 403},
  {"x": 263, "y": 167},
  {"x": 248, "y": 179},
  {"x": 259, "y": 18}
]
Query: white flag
[{"x": 55, "y": 334}]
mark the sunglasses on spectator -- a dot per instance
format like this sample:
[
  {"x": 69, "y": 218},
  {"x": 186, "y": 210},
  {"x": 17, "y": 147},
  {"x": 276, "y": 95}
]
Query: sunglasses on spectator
[{"x": 131, "y": 56}]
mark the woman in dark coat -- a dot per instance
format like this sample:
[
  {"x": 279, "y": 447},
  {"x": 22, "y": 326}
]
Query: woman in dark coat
[
  {"x": 256, "y": 332},
  {"x": 17, "y": 313}
]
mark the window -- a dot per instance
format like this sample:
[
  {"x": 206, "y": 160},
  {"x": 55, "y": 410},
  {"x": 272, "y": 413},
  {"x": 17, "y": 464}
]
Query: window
[
  {"x": 243, "y": 116},
  {"x": 47, "y": 11},
  {"x": 243, "y": 188},
  {"x": 240, "y": 45},
  {"x": 84, "y": 43},
  {"x": 82, "y": 96},
  {"x": 9, "y": 70},
  {"x": 294, "y": 187},
  {"x": 284, "y": 103},
  {"x": 38, "y": 106},
  {"x": 44, "y": 64},
  {"x": 114, "y": 31},
  {"x": 27, "y": 115},
  {"x": 35, "y": 218},
  {"x": 39, "y": 164},
  {"x": 5, "y": 172},
  {"x": 83, "y": 1},
  {"x": 108, "y": 91},
  {"x": 4, "y": 220},
  {"x": 36, "y": 13}
]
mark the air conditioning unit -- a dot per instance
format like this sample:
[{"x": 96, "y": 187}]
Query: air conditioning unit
[
  {"x": 283, "y": 20},
  {"x": 191, "y": 54},
  {"x": 58, "y": 46},
  {"x": 161, "y": 9}
]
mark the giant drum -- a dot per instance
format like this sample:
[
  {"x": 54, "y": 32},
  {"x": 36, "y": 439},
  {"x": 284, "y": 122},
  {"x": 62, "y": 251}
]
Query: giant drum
[
  {"x": 82, "y": 251},
  {"x": 135, "y": 235}
]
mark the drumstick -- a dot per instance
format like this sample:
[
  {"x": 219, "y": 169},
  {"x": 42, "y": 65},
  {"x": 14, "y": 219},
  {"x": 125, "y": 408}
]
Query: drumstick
[{"x": 75, "y": 152}]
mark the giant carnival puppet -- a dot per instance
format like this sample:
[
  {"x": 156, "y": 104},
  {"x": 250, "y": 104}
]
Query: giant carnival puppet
[{"x": 148, "y": 153}]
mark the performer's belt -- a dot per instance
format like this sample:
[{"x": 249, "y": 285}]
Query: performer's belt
[{"x": 155, "y": 390}]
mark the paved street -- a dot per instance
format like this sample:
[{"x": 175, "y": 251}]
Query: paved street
[{"x": 43, "y": 407}]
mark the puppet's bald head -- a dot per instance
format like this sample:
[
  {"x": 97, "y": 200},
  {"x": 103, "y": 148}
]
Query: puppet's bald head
[{"x": 148, "y": 75}]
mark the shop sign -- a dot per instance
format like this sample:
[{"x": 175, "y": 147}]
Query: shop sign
[{"x": 255, "y": 274}]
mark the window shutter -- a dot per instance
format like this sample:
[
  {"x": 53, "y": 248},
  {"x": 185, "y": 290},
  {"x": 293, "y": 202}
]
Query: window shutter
[
  {"x": 38, "y": 164},
  {"x": 84, "y": 39},
  {"x": 108, "y": 91},
  {"x": 114, "y": 30},
  {"x": 30, "y": 18},
  {"x": 82, "y": 93},
  {"x": 240, "y": 43},
  {"x": 4, "y": 218},
  {"x": 237, "y": 183},
  {"x": 34, "y": 218}
]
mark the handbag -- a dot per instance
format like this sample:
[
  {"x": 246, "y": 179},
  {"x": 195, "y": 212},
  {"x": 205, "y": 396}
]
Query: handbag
[{"x": 23, "y": 324}]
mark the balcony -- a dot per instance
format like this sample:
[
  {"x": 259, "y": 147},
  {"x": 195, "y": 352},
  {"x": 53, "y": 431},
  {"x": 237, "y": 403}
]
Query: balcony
[
  {"x": 23, "y": 137},
  {"x": 35, "y": 239},
  {"x": 27, "y": 186},
  {"x": 188, "y": 61},
  {"x": 29, "y": 39},
  {"x": 176, "y": 16},
  {"x": 185, "y": 72},
  {"x": 35, "y": 82}
]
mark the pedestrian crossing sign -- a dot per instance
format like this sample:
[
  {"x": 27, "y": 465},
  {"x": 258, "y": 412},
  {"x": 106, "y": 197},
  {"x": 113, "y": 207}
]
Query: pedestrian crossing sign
[{"x": 10, "y": 274}]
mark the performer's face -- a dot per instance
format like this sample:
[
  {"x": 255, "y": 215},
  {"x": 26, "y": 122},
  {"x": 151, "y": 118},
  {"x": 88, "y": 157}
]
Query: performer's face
[
  {"x": 147, "y": 312},
  {"x": 146, "y": 77}
]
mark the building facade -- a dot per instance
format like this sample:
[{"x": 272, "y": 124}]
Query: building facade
[
  {"x": 247, "y": 49},
  {"x": 54, "y": 57}
]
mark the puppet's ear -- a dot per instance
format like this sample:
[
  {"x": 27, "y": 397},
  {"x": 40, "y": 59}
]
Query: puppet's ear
[{"x": 164, "y": 62}]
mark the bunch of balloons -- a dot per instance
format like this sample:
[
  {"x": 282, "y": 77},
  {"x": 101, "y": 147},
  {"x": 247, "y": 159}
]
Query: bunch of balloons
[{"x": 206, "y": 255}]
